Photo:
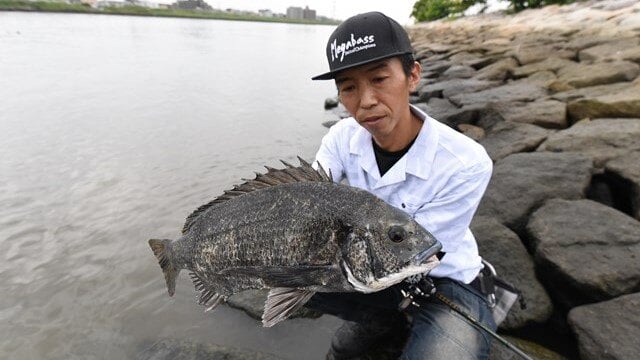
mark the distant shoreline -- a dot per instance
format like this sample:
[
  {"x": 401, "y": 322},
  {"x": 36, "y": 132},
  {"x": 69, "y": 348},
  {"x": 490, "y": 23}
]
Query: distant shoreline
[{"x": 132, "y": 10}]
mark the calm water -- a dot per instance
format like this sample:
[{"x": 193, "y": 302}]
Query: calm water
[{"x": 112, "y": 130}]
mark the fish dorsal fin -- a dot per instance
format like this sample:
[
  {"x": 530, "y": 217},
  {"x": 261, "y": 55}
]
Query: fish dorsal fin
[
  {"x": 290, "y": 174},
  {"x": 282, "y": 302}
]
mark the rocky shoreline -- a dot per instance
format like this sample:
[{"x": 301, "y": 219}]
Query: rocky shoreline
[{"x": 554, "y": 96}]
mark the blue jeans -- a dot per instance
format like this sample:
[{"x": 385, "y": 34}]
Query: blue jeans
[{"x": 436, "y": 331}]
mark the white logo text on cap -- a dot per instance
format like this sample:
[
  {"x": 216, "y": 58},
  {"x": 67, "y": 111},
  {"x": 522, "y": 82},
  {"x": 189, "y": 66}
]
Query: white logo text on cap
[{"x": 338, "y": 51}]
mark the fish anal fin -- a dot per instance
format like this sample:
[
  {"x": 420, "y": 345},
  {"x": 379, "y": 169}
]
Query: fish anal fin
[
  {"x": 282, "y": 302},
  {"x": 209, "y": 297}
]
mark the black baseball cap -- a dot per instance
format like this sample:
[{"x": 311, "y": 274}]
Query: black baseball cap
[{"x": 362, "y": 39}]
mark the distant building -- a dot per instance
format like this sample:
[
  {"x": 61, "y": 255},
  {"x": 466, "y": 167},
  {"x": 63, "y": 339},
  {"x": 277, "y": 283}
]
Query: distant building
[
  {"x": 308, "y": 14},
  {"x": 266, "y": 13},
  {"x": 294, "y": 12}
]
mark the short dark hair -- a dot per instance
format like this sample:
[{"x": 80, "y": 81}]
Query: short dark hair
[{"x": 407, "y": 63}]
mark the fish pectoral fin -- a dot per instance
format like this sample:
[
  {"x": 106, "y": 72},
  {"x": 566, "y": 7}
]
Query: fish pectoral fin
[
  {"x": 282, "y": 302},
  {"x": 288, "y": 276}
]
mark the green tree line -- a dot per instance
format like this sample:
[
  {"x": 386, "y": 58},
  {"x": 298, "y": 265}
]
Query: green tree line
[{"x": 427, "y": 10}]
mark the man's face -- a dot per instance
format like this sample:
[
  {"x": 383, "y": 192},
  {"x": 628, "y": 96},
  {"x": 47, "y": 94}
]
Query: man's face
[{"x": 377, "y": 94}]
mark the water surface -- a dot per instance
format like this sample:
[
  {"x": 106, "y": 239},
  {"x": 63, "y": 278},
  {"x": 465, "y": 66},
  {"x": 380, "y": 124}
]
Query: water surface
[{"x": 112, "y": 130}]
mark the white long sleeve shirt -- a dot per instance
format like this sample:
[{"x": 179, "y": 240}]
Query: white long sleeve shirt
[{"x": 439, "y": 182}]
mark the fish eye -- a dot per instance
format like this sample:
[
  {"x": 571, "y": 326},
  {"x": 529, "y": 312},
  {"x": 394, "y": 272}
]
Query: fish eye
[{"x": 397, "y": 233}]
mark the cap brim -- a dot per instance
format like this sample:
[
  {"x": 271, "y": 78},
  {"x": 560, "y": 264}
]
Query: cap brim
[{"x": 332, "y": 74}]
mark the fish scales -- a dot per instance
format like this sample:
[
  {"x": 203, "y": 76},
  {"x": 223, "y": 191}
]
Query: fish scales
[
  {"x": 296, "y": 232},
  {"x": 259, "y": 232}
]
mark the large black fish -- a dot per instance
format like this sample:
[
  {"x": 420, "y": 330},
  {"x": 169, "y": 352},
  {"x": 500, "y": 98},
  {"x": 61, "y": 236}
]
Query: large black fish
[{"x": 296, "y": 232}]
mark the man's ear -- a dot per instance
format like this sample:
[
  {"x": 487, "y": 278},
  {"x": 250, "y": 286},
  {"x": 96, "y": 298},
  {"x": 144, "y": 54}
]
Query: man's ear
[{"x": 414, "y": 76}]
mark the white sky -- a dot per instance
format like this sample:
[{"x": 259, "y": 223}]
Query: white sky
[{"x": 400, "y": 10}]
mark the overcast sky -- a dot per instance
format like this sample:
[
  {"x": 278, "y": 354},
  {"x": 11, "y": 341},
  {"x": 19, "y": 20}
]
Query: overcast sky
[{"x": 400, "y": 10}]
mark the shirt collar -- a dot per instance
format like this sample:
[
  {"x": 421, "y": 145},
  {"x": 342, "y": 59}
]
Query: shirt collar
[
  {"x": 421, "y": 155},
  {"x": 417, "y": 161}
]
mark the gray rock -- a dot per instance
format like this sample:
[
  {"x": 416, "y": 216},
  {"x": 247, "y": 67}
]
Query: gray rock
[
  {"x": 474, "y": 132},
  {"x": 627, "y": 167},
  {"x": 591, "y": 92},
  {"x": 550, "y": 64},
  {"x": 601, "y": 139},
  {"x": 623, "y": 49},
  {"x": 624, "y": 104},
  {"x": 452, "y": 87},
  {"x": 499, "y": 70},
  {"x": 608, "y": 330},
  {"x": 583, "y": 75},
  {"x": 545, "y": 113},
  {"x": 464, "y": 57},
  {"x": 459, "y": 72},
  {"x": 174, "y": 349},
  {"x": 330, "y": 103},
  {"x": 522, "y": 182},
  {"x": 447, "y": 113},
  {"x": 516, "y": 91},
  {"x": 437, "y": 67},
  {"x": 508, "y": 138},
  {"x": 504, "y": 250},
  {"x": 252, "y": 303},
  {"x": 585, "y": 251},
  {"x": 536, "y": 53}
]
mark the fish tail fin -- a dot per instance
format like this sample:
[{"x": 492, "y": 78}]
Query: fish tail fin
[{"x": 163, "y": 251}]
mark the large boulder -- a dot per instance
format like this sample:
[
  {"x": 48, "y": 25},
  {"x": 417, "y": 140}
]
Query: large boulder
[
  {"x": 498, "y": 70},
  {"x": 535, "y": 53},
  {"x": 515, "y": 91},
  {"x": 545, "y": 113},
  {"x": 506, "y": 138},
  {"x": 608, "y": 330},
  {"x": 601, "y": 139},
  {"x": 549, "y": 64},
  {"x": 522, "y": 182},
  {"x": 623, "y": 49},
  {"x": 445, "y": 112},
  {"x": 585, "y": 251},
  {"x": 504, "y": 250},
  {"x": 619, "y": 101},
  {"x": 627, "y": 168},
  {"x": 591, "y": 92},
  {"x": 452, "y": 87},
  {"x": 583, "y": 75}
]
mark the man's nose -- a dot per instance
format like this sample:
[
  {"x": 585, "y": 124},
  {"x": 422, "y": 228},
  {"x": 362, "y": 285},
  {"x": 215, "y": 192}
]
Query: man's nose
[{"x": 368, "y": 97}]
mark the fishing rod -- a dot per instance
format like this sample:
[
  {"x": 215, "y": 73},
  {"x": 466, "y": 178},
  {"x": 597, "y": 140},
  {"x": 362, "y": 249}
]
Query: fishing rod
[
  {"x": 415, "y": 289},
  {"x": 481, "y": 326}
]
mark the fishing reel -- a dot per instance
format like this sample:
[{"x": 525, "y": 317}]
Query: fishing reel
[{"x": 416, "y": 287}]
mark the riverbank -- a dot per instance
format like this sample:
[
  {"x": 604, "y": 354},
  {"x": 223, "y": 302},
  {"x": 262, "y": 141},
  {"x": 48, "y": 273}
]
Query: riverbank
[{"x": 132, "y": 10}]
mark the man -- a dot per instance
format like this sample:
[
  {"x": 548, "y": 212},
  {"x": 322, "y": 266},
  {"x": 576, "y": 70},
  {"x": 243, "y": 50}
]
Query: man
[{"x": 417, "y": 164}]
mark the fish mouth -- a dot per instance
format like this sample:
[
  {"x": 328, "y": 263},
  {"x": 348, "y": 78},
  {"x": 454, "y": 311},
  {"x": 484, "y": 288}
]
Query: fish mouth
[{"x": 425, "y": 254}]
